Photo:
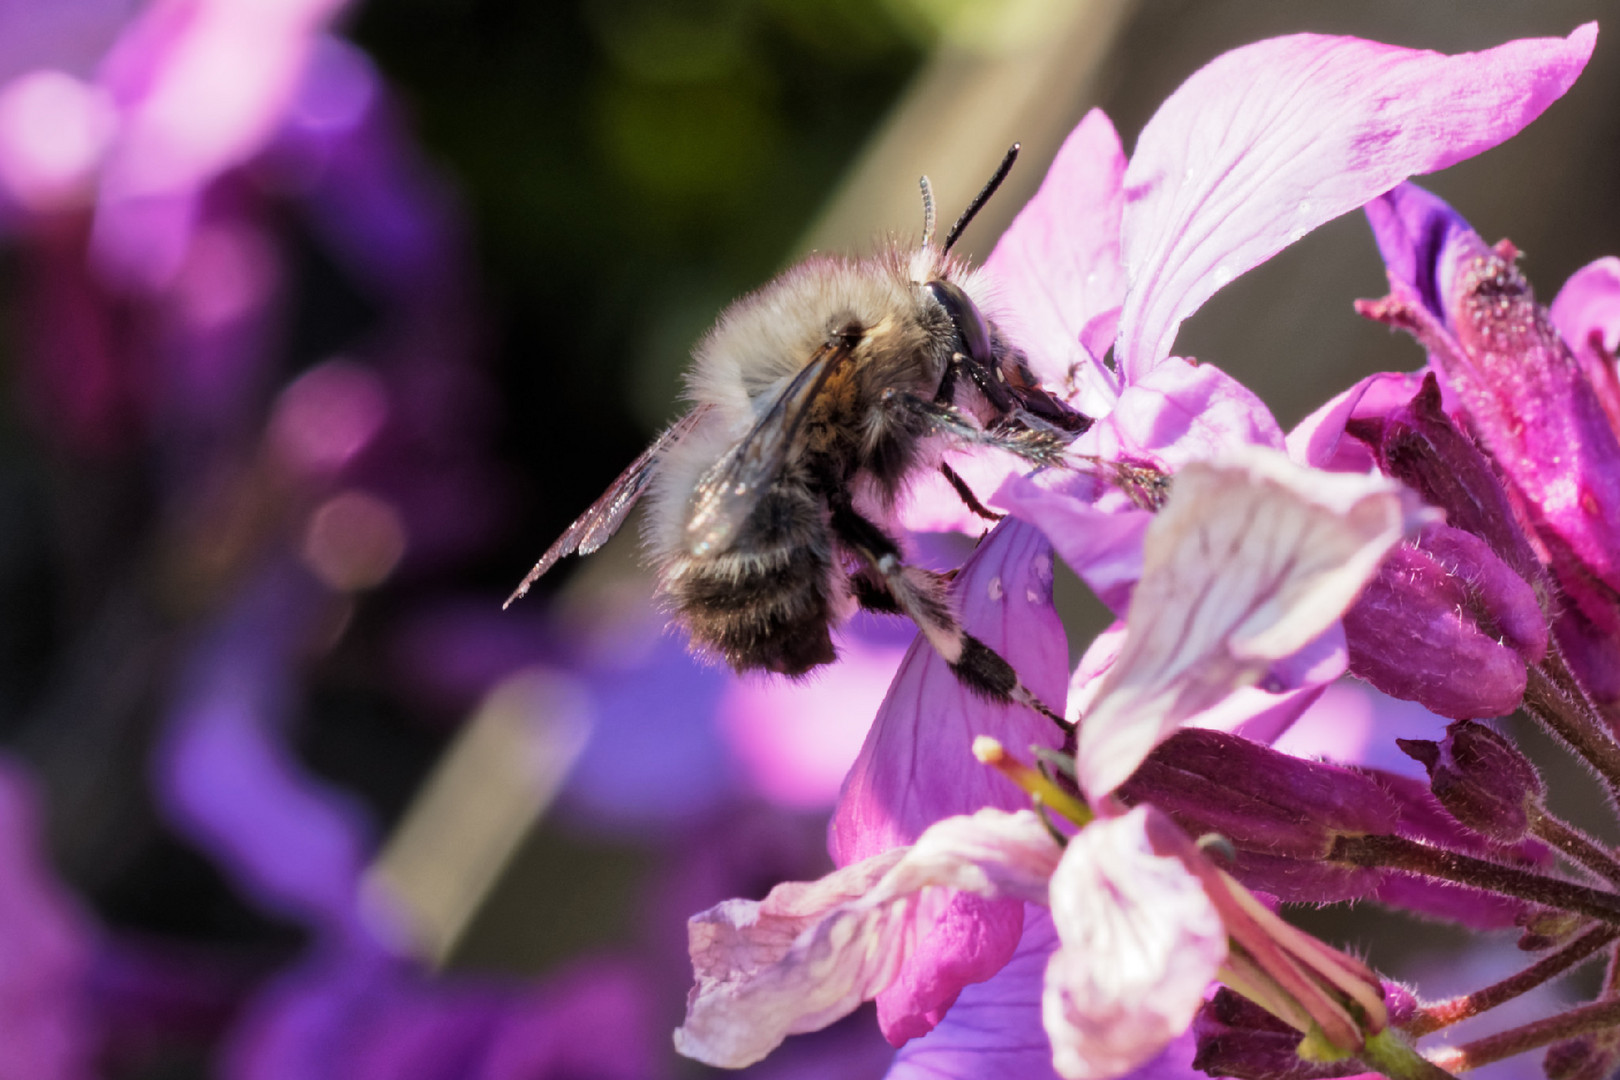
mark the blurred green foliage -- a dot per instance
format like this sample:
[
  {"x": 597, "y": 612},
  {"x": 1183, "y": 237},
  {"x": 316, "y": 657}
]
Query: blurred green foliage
[{"x": 630, "y": 166}]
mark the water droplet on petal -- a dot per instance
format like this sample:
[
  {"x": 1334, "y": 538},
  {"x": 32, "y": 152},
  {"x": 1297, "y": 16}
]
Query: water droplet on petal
[{"x": 996, "y": 589}]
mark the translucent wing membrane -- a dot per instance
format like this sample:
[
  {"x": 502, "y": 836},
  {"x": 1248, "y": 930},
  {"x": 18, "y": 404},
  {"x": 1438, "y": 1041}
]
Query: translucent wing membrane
[
  {"x": 729, "y": 491},
  {"x": 598, "y": 524}
]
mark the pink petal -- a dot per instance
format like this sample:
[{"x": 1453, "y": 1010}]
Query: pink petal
[
  {"x": 1587, "y": 309},
  {"x": 1057, "y": 266},
  {"x": 1271, "y": 140},
  {"x": 1251, "y": 560},
  {"x": 932, "y": 504},
  {"x": 1353, "y": 724},
  {"x": 810, "y": 952},
  {"x": 1180, "y": 412},
  {"x": 1184, "y": 412},
  {"x": 1104, "y": 548},
  {"x": 1320, "y": 441},
  {"x": 1587, "y": 314},
  {"x": 917, "y": 765},
  {"x": 1259, "y": 715},
  {"x": 993, "y": 1032},
  {"x": 1140, "y": 943}
]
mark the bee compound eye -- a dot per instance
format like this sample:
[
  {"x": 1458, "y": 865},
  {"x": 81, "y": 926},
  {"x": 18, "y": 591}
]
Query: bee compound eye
[{"x": 971, "y": 328}]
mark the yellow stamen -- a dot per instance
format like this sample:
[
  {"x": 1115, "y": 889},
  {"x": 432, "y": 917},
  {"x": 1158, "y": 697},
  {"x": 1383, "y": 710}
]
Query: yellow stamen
[{"x": 1036, "y": 783}]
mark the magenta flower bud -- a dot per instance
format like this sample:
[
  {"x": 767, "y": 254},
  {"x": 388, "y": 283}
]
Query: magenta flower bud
[
  {"x": 1589, "y": 1057},
  {"x": 1237, "y": 1038},
  {"x": 1447, "y": 624},
  {"x": 1259, "y": 799},
  {"x": 1527, "y": 399},
  {"x": 1481, "y": 779},
  {"x": 1421, "y": 446}
]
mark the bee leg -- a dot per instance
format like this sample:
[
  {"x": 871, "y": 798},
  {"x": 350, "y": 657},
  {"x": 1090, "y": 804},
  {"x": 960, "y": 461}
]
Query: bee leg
[
  {"x": 1038, "y": 445},
  {"x": 922, "y": 596},
  {"x": 965, "y": 493}
]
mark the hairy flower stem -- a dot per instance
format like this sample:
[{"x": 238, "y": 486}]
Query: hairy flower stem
[
  {"x": 1554, "y": 698},
  {"x": 1389, "y": 1054},
  {"x": 1399, "y": 853},
  {"x": 1506, "y": 1044},
  {"x": 1445, "y": 1013},
  {"x": 1574, "y": 844}
]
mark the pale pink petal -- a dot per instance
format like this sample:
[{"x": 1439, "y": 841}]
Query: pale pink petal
[
  {"x": 1183, "y": 412},
  {"x": 1180, "y": 412},
  {"x": 1104, "y": 547},
  {"x": 1319, "y": 439},
  {"x": 1140, "y": 944},
  {"x": 1353, "y": 724},
  {"x": 1057, "y": 267},
  {"x": 810, "y": 952},
  {"x": 1251, "y": 560},
  {"x": 1269, "y": 141},
  {"x": 1256, "y": 714},
  {"x": 917, "y": 765}
]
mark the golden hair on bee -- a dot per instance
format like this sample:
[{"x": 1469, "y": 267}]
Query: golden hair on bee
[{"x": 814, "y": 400}]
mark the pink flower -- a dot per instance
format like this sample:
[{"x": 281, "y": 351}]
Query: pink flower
[
  {"x": 1251, "y": 559},
  {"x": 1253, "y": 151}
]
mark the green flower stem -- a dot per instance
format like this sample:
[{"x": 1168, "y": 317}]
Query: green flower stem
[{"x": 1388, "y": 1053}]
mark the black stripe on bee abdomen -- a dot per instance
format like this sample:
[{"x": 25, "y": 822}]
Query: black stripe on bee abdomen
[{"x": 766, "y": 601}]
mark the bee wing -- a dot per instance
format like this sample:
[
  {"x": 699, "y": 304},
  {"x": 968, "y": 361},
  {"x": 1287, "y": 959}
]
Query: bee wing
[
  {"x": 596, "y": 525},
  {"x": 728, "y": 492}
]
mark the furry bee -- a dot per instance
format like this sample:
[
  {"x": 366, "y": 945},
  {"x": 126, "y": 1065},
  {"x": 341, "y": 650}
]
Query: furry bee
[{"x": 815, "y": 400}]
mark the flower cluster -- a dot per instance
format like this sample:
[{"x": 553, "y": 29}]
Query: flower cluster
[
  {"x": 1090, "y": 893},
  {"x": 1097, "y": 898}
]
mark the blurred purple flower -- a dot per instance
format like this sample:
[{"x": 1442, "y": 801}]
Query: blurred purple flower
[
  {"x": 342, "y": 1016},
  {"x": 46, "y": 942}
]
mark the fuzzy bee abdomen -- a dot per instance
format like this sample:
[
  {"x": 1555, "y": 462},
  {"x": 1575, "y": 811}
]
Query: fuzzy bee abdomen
[{"x": 766, "y": 602}]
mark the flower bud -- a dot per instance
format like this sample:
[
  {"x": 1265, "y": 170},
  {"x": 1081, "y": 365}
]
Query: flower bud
[
  {"x": 1281, "y": 814},
  {"x": 1481, "y": 779},
  {"x": 1447, "y": 624},
  {"x": 1589, "y": 1057},
  {"x": 1421, "y": 446},
  {"x": 1239, "y": 1039},
  {"x": 1258, "y": 798}
]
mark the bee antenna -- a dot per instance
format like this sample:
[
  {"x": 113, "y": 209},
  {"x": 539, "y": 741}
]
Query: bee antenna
[
  {"x": 928, "y": 211},
  {"x": 982, "y": 197}
]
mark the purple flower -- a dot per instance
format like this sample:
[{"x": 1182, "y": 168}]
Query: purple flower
[
  {"x": 46, "y": 1028},
  {"x": 1528, "y": 400}
]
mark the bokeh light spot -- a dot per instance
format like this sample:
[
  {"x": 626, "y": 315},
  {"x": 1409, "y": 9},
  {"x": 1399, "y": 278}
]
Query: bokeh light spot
[{"x": 354, "y": 541}]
